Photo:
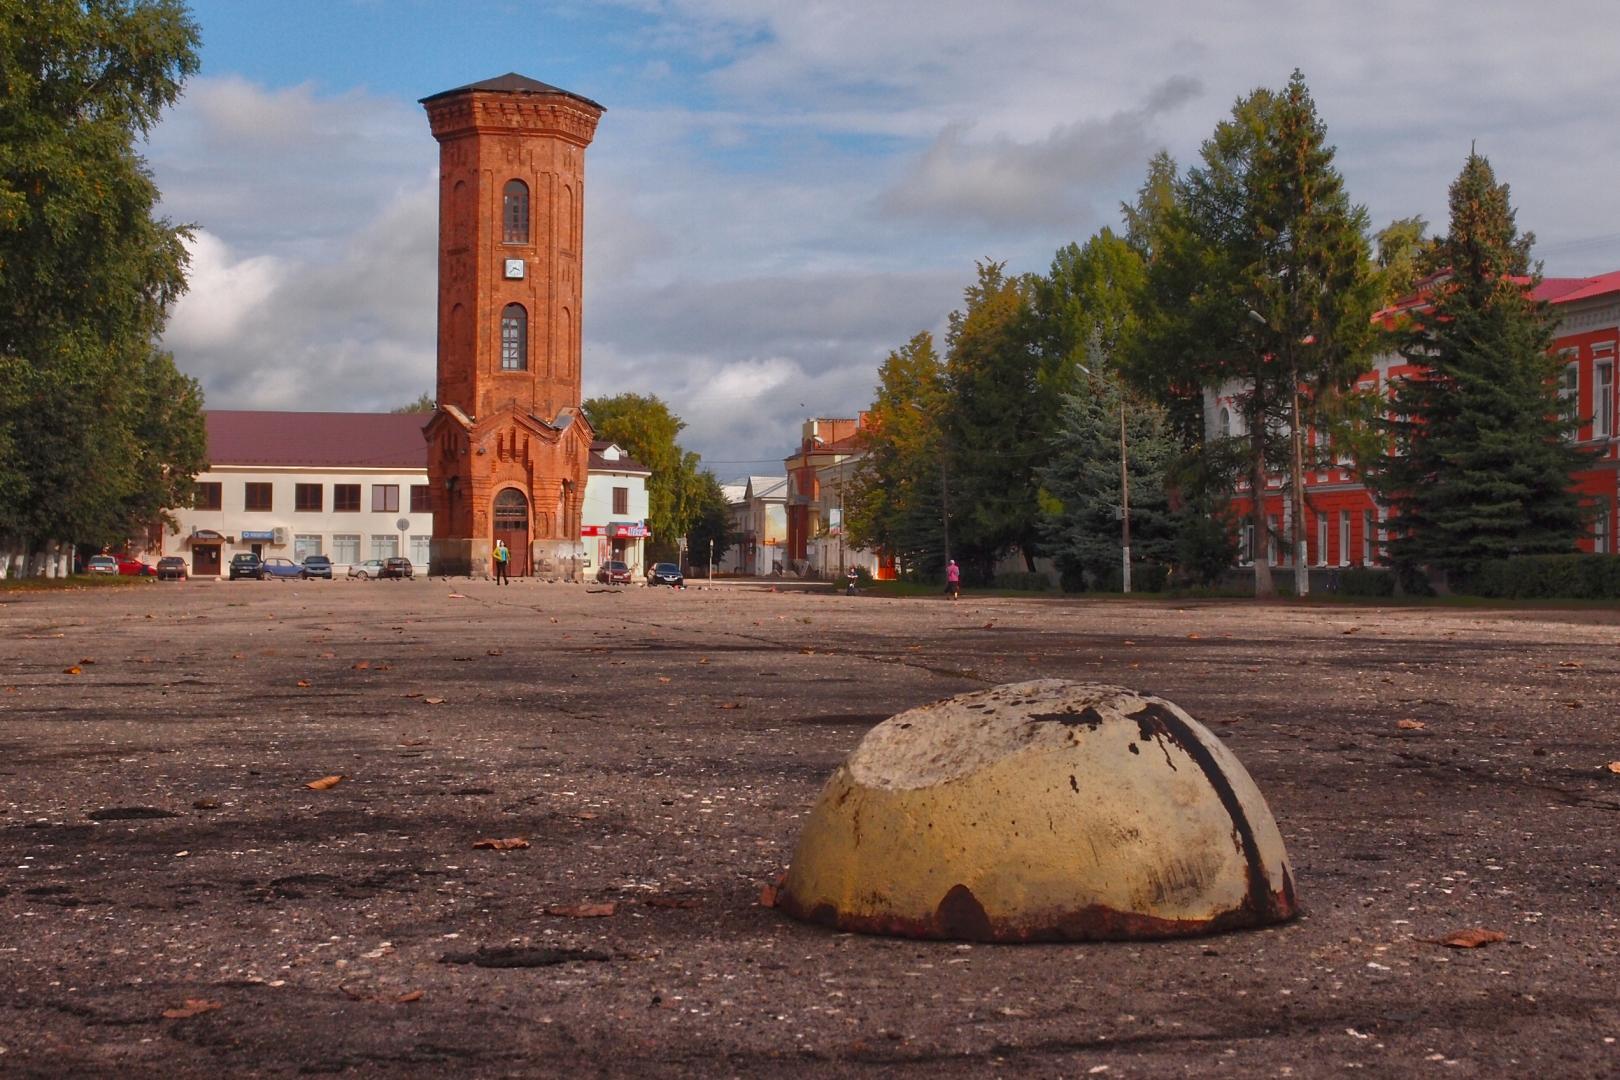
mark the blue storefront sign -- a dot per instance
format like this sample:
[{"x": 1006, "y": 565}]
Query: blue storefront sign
[{"x": 258, "y": 536}]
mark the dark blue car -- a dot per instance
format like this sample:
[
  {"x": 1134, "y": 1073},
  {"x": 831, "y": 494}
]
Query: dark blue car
[{"x": 281, "y": 568}]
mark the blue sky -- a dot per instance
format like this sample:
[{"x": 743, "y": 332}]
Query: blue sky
[{"x": 779, "y": 194}]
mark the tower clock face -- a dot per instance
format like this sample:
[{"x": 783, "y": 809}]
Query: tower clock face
[{"x": 514, "y": 269}]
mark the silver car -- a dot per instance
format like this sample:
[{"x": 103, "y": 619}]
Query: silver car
[{"x": 371, "y": 568}]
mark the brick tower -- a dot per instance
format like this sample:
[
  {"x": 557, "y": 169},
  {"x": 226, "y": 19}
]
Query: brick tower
[{"x": 508, "y": 448}]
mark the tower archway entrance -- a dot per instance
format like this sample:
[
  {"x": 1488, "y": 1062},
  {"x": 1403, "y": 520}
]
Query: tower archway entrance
[{"x": 512, "y": 525}]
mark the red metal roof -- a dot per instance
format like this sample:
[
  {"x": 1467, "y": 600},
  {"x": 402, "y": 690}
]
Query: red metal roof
[
  {"x": 317, "y": 439},
  {"x": 625, "y": 463}
]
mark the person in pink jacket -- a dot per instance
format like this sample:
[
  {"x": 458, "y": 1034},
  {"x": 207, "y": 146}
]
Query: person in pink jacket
[{"x": 953, "y": 579}]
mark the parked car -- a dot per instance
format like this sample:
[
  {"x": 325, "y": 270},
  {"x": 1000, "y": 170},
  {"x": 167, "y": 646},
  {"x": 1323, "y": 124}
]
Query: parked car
[
  {"x": 134, "y": 567},
  {"x": 371, "y": 568},
  {"x": 101, "y": 564},
  {"x": 282, "y": 568},
  {"x": 666, "y": 573},
  {"x": 398, "y": 567},
  {"x": 317, "y": 566},
  {"x": 613, "y": 573},
  {"x": 246, "y": 565},
  {"x": 172, "y": 568}
]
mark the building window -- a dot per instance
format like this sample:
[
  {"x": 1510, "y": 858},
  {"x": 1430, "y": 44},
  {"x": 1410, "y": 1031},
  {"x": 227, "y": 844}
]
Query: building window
[
  {"x": 346, "y": 499},
  {"x": 385, "y": 547},
  {"x": 1271, "y": 540},
  {"x": 307, "y": 498},
  {"x": 208, "y": 497},
  {"x": 1344, "y": 538},
  {"x": 515, "y": 213},
  {"x": 1603, "y": 406},
  {"x": 514, "y": 338},
  {"x": 1367, "y": 537},
  {"x": 1322, "y": 540},
  {"x": 419, "y": 500},
  {"x": 1226, "y": 422},
  {"x": 257, "y": 497},
  {"x": 345, "y": 549},
  {"x": 1569, "y": 394},
  {"x": 305, "y": 546},
  {"x": 1601, "y": 544},
  {"x": 621, "y": 500},
  {"x": 421, "y": 548},
  {"x": 385, "y": 498}
]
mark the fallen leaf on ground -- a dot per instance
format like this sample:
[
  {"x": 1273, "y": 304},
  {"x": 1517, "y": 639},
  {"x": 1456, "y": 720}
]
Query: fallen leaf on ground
[
  {"x": 236, "y": 656},
  {"x": 1613, "y": 766},
  {"x": 405, "y": 999},
  {"x": 1352, "y": 630},
  {"x": 703, "y": 660},
  {"x": 988, "y": 625},
  {"x": 362, "y": 665},
  {"x": 86, "y": 660},
  {"x": 1251, "y": 669},
  {"x": 413, "y": 742},
  {"x": 457, "y": 596},
  {"x": 807, "y": 652},
  {"x": 1192, "y": 635},
  {"x": 731, "y": 705},
  {"x": 663, "y": 678},
  {"x": 1569, "y": 663},
  {"x": 414, "y": 693},
  {"x": 1572, "y": 704},
  {"x": 767, "y": 896},
  {"x": 587, "y": 817},
  {"x": 583, "y": 911},
  {"x": 303, "y": 682},
  {"x": 71, "y": 671},
  {"x": 205, "y": 804},
  {"x": 192, "y": 1007},
  {"x": 433, "y": 700},
  {"x": 510, "y": 844},
  {"x": 495, "y": 652},
  {"x": 326, "y": 782},
  {"x": 1468, "y": 939},
  {"x": 1410, "y": 725}
]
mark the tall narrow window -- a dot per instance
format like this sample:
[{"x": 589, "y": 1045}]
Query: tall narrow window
[
  {"x": 1603, "y": 406},
  {"x": 515, "y": 212},
  {"x": 1322, "y": 540},
  {"x": 514, "y": 338},
  {"x": 1366, "y": 537},
  {"x": 1569, "y": 395},
  {"x": 621, "y": 500},
  {"x": 1344, "y": 538},
  {"x": 1226, "y": 422}
]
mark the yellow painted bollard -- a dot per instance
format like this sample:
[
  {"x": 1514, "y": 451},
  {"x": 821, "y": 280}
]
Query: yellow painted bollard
[{"x": 1041, "y": 811}]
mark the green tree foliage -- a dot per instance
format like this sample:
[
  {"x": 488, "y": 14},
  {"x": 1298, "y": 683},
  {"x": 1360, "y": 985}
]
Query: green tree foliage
[
  {"x": 893, "y": 503},
  {"x": 1482, "y": 460},
  {"x": 647, "y": 430},
  {"x": 1082, "y": 483},
  {"x": 1005, "y": 393},
  {"x": 710, "y": 534},
  {"x": 423, "y": 404},
  {"x": 98, "y": 431},
  {"x": 1405, "y": 254},
  {"x": 1259, "y": 283}
]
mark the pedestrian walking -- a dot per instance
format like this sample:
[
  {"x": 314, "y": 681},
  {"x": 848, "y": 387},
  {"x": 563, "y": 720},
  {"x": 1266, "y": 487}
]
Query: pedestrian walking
[
  {"x": 953, "y": 579},
  {"x": 854, "y": 579},
  {"x": 502, "y": 556}
]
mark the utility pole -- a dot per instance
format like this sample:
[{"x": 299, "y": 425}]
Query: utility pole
[
  {"x": 1302, "y": 570},
  {"x": 1125, "y": 495}
]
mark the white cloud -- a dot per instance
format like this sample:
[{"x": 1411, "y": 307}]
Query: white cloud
[{"x": 761, "y": 233}]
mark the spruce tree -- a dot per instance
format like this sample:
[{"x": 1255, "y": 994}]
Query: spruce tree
[{"x": 1481, "y": 453}]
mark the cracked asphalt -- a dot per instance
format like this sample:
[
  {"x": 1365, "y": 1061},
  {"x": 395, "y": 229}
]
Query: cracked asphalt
[{"x": 657, "y": 751}]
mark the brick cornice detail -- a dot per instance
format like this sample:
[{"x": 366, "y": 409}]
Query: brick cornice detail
[{"x": 487, "y": 112}]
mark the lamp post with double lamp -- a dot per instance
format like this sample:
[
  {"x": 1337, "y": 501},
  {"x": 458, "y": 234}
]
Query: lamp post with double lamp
[
  {"x": 1124, "y": 490},
  {"x": 944, "y": 485}
]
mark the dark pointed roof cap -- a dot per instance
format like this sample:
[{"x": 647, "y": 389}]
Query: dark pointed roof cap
[{"x": 513, "y": 83}]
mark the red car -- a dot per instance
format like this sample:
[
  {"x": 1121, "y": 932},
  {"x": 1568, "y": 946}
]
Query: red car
[
  {"x": 613, "y": 573},
  {"x": 134, "y": 567}
]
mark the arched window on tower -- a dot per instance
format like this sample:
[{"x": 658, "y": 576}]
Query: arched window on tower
[
  {"x": 515, "y": 213},
  {"x": 1226, "y": 423},
  {"x": 514, "y": 338}
]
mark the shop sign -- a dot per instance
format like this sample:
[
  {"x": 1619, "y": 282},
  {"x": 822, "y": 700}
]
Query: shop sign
[
  {"x": 593, "y": 530},
  {"x": 633, "y": 530},
  {"x": 258, "y": 535}
]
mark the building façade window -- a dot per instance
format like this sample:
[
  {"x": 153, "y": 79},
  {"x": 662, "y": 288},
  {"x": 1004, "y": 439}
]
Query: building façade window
[
  {"x": 385, "y": 499},
  {"x": 346, "y": 498},
  {"x": 307, "y": 498},
  {"x": 515, "y": 212},
  {"x": 209, "y": 496},
  {"x": 257, "y": 497},
  {"x": 420, "y": 503},
  {"x": 621, "y": 500},
  {"x": 514, "y": 338}
]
